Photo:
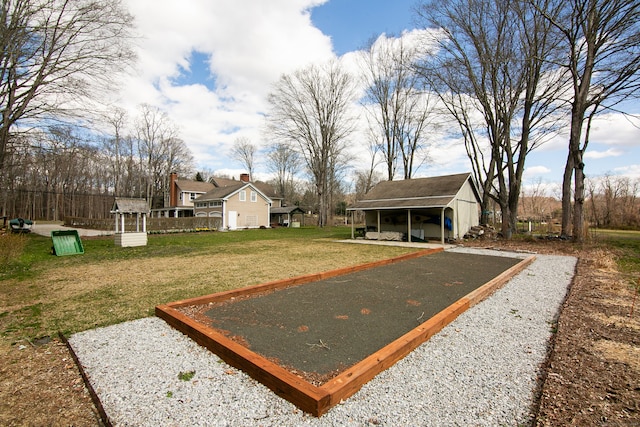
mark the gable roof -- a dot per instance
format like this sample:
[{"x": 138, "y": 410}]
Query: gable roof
[
  {"x": 127, "y": 205},
  {"x": 287, "y": 210},
  {"x": 224, "y": 182},
  {"x": 188, "y": 185},
  {"x": 434, "y": 192},
  {"x": 222, "y": 193},
  {"x": 267, "y": 190}
]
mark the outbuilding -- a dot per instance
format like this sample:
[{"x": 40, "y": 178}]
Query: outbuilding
[
  {"x": 124, "y": 207},
  {"x": 442, "y": 207}
]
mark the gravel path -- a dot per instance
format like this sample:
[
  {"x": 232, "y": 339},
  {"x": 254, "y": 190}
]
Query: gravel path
[{"x": 480, "y": 370}]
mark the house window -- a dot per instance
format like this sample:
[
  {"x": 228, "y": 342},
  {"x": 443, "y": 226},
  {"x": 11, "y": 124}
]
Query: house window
[
  {"x": 254, "y": 196},
  {"x": 215, "y": 204},
  {"x": 192, "y": 196},
  {"x": 201, "y": 205},
  {"x": 243, "y": 196}
]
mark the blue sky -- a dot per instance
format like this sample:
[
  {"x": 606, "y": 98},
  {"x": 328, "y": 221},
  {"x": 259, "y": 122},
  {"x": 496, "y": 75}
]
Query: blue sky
[
  {"x": 210, "y": 65},
  {"x": 351, "y": 24}
]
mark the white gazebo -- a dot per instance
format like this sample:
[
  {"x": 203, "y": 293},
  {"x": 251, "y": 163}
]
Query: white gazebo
[{"x": 123, "y": 207}]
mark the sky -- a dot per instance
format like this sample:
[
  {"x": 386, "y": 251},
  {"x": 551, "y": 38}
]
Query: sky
[{"x": 210, "y": 64}]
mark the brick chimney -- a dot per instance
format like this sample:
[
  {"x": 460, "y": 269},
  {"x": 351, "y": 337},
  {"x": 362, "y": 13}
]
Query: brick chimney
[
  {"x": 244, "y": 177},
  {"x": 173, "y": 190}
]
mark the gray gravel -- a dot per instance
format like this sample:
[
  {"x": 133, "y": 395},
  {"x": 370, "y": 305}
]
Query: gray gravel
[{"x": 480, "y": 370}]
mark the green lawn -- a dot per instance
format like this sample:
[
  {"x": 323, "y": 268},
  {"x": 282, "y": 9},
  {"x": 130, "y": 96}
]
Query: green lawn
[{"x": 41, "y": 294}]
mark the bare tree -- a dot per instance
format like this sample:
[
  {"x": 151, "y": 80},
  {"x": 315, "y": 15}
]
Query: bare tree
[
  {"x": 113, "y": 146},
  {"x": 311, "y": 108},
  {"x": 365, "y": 180},
  {"x": 399, "y": 113},
  {"x": 601, "y": 46},
  {"x": 284, "y": 162},
  {"x": 160, "y": 152},
  {"x": 56, "y": 53},
  {"x": 492, "y": 66},
  {"x": 177, "y": 158},
  {"x": 613, "y": 201},
  {"x": 244, "y": 151}
]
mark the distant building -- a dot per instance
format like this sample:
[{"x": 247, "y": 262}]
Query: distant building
[
  {"x": 442, "y": 207},
  {"x": 237, "y": 204}
]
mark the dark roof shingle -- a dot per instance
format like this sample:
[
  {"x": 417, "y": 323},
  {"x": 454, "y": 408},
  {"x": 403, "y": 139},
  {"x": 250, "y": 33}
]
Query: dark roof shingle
[{"x": 413, "y": 193}]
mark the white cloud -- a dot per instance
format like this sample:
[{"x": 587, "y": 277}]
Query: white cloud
[
  {"x": 631, "y": 171},
  {"x": 611, "y": 152},
  {"x": 616, "y": 130},
  {"x": 249, "y": 44},
  {"x": 534, "y": 171}
]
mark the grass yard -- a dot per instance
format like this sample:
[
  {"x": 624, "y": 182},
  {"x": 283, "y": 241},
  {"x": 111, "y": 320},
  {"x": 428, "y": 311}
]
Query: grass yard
[{"x": 41, "y": 294}]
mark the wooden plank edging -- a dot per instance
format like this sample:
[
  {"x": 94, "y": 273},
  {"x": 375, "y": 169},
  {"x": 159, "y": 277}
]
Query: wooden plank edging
[
  {"x": 285, "y": 384},
  {"x": 309, "y": 398}
]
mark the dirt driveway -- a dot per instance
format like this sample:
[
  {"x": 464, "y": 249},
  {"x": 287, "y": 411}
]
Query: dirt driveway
[{"x": 45, "y": 229}]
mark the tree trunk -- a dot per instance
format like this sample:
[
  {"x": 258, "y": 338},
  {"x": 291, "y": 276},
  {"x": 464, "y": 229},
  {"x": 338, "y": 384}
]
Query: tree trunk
[
  {"x": 578, "y": 205},
  {"x": 566, "y": 196},
  {"x": 508, "y": 221}
]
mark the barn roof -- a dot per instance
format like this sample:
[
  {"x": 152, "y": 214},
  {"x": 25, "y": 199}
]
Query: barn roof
[
  {"x": 127, "y": 205},
  {"x": 419, "y": 193}
]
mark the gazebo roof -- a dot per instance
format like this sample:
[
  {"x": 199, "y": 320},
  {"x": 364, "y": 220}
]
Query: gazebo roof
[{"x": 128, "y": 205}]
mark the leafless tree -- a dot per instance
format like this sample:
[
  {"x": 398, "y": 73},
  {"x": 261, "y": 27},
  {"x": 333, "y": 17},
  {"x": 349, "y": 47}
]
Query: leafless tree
[
  {"x": 244, "y": 151},
  {"x": 601, "y": 47},
  {"x": 613, "y": 201},
  {"x": 311, "y": 109},
  {"x": 55, "y": 54},
  {"x": 493, "y": 67},
  {"x": 366, "y": 179},
  {"x": 160, "y": 152},
  {"x": 399, "y": 112},
  {"x": 114, "y": 146},
  {"x": 284, "y": 162}
]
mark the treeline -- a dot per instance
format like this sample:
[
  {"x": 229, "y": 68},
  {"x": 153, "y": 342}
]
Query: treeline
[
  {"x": 613, "y": 202},
  {"x": 61, "y": 171}
]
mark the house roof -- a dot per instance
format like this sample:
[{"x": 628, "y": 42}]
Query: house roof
[
  {"x": 224, "y": 182},
  {"x": 126, "y": 205},
  {"x": 221, "y": 193},
  {"x": 265, "y": 188},
  {"x": 287, "y": 210},
  {"x": 188, "y": 185},
  {"x": 434, "y": 192}
]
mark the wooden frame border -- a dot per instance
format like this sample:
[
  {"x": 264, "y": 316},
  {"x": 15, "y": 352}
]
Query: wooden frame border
[{"x": 317, "y": 400}]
